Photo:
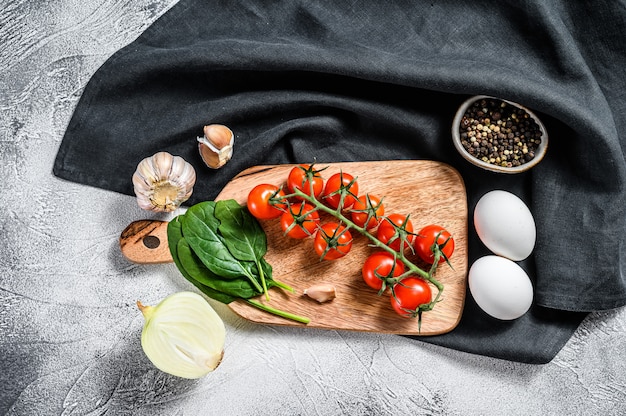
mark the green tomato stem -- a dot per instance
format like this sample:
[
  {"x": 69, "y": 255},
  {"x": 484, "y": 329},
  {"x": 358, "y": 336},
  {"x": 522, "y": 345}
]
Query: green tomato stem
[{"x": 411, "y": 267}]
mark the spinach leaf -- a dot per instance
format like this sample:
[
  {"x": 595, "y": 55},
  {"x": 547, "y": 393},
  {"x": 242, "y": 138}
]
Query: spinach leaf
[
  {"x": 174, "y": 238},
  {"x": 242, "y": 233},
  {"x": 174, "y": 235},
  {"x": 219, "y": 247},
  {"x": 200, "y": 230},
  {"x": 240, "y": 287}
]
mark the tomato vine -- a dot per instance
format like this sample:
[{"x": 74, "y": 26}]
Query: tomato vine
[{"x": 411, "y": 269}]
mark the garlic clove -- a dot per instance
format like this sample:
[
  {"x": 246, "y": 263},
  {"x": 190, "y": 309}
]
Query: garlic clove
[
  {"x": 183, "y": 335},
  {"x": 163, "y": 182},
  {"x": 322, "y": 292},
  {"x": 216, "y": 146}
]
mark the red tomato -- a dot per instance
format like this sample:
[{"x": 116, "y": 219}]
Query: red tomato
[
  {"x": 393, "y": 228},
  {"x": 304, "y": 176},
  {"x": 300, "y": 221},
  {"x": 332, "y": 191},
  {"x": 408, "y": 295},
  {"x": 332, "y": 241},
  {"x": 425, "y": 240},
  {"x": 264, "y": 202},
  {"x": 378, "y": 266},
  {"x": 367, "y": 208}
]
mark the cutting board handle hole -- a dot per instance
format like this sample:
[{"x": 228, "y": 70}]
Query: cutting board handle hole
[{"x": 151, "y": 241}]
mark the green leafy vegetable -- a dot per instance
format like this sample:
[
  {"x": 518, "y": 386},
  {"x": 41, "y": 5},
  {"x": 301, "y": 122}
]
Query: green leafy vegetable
[
  {"x": 200, "y": 231},
  {"x": 219, "y": 247},
  {"x": 240, "y": 287},
  {"x": 175, "y": 241},
  {"x": 251, "y": 244}
]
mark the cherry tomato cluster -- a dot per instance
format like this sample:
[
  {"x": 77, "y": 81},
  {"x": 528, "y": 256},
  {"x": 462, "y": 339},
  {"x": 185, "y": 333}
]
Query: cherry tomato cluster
[
  {"x": 305, "y": 194},
  {"x": 409, "y": 294},
  {"x": 300, "y": 219}
]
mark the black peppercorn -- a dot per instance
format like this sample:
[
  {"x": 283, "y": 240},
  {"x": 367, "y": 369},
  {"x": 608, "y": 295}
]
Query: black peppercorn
[{"x": 500, "y": 134}]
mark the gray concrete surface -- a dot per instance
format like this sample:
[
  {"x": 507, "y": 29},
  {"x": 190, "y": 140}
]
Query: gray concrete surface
[{"x": 69, "y": 329}]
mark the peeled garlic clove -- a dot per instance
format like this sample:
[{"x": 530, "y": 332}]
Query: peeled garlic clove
[
  {"x": 216, "y": 146},
  {"x": 183, "y": 336},
  {"x": 322, "y": 292},
  {"x": 163, "y": 182}
]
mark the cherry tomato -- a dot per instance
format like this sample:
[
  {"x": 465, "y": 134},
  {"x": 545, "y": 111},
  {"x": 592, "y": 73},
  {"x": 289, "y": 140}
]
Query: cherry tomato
[
  {"x": 332, "y": 191},
  {"x": 367, "y": 206},
  {"x": 408, "y": 295},
  {"x": 300, "y": 221},
  {"x": 425, "y": 240},
  {"x": 392, "y": 228},
  {"x": 378, "y": 266},
  {"x": 332, "y": 241},
  {"x": 302, "y": 177},
  {"x": 263, "y": 202}
]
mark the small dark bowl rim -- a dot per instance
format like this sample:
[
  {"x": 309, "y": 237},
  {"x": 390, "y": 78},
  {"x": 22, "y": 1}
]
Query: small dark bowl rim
[{"x": 456, "y": 138}]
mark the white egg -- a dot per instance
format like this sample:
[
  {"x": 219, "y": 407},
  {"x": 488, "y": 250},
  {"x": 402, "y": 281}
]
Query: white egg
[
  {"x": 500, "y": 287},
  {"x": 505, "y": 225}
]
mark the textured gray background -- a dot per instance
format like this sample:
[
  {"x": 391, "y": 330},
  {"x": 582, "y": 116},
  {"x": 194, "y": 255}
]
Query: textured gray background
[{"x": 69, "y": 329}]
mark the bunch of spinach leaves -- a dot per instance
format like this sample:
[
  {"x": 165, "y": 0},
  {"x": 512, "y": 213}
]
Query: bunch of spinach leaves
[{"x": 219, "y": 247}]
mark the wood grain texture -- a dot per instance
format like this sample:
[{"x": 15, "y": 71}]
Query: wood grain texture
[
  {"x": 145, "y": 241},
  {"x": 431, "y": 192}
]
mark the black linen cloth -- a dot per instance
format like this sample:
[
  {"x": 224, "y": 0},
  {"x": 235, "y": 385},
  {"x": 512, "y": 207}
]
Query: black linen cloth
[{"x": 369, "y": 80}]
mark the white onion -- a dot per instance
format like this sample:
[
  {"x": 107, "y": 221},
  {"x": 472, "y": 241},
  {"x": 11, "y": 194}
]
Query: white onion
[{"x": 183, "y": 335}]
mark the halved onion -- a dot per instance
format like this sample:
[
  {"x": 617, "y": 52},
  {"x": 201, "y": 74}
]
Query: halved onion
[{"x": 183, "y": 335}]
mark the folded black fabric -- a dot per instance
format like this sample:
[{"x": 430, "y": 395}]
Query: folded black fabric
[{"x": 344, "y": 81}]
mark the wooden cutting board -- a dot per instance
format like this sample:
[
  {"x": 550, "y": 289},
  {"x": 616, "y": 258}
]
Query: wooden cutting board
[{"x": 431, "y": 192}]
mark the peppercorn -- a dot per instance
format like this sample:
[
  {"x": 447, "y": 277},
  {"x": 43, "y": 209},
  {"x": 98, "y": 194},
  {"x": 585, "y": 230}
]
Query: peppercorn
[{"x": 499, "y": 133}]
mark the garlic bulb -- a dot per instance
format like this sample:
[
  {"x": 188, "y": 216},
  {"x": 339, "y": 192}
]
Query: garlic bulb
[
  {"x": 216, "y": 146},
  {"x": 183, "y": 336},
  {"x": 163, "y": 182},
  {"x": 322, "y": 292}
]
